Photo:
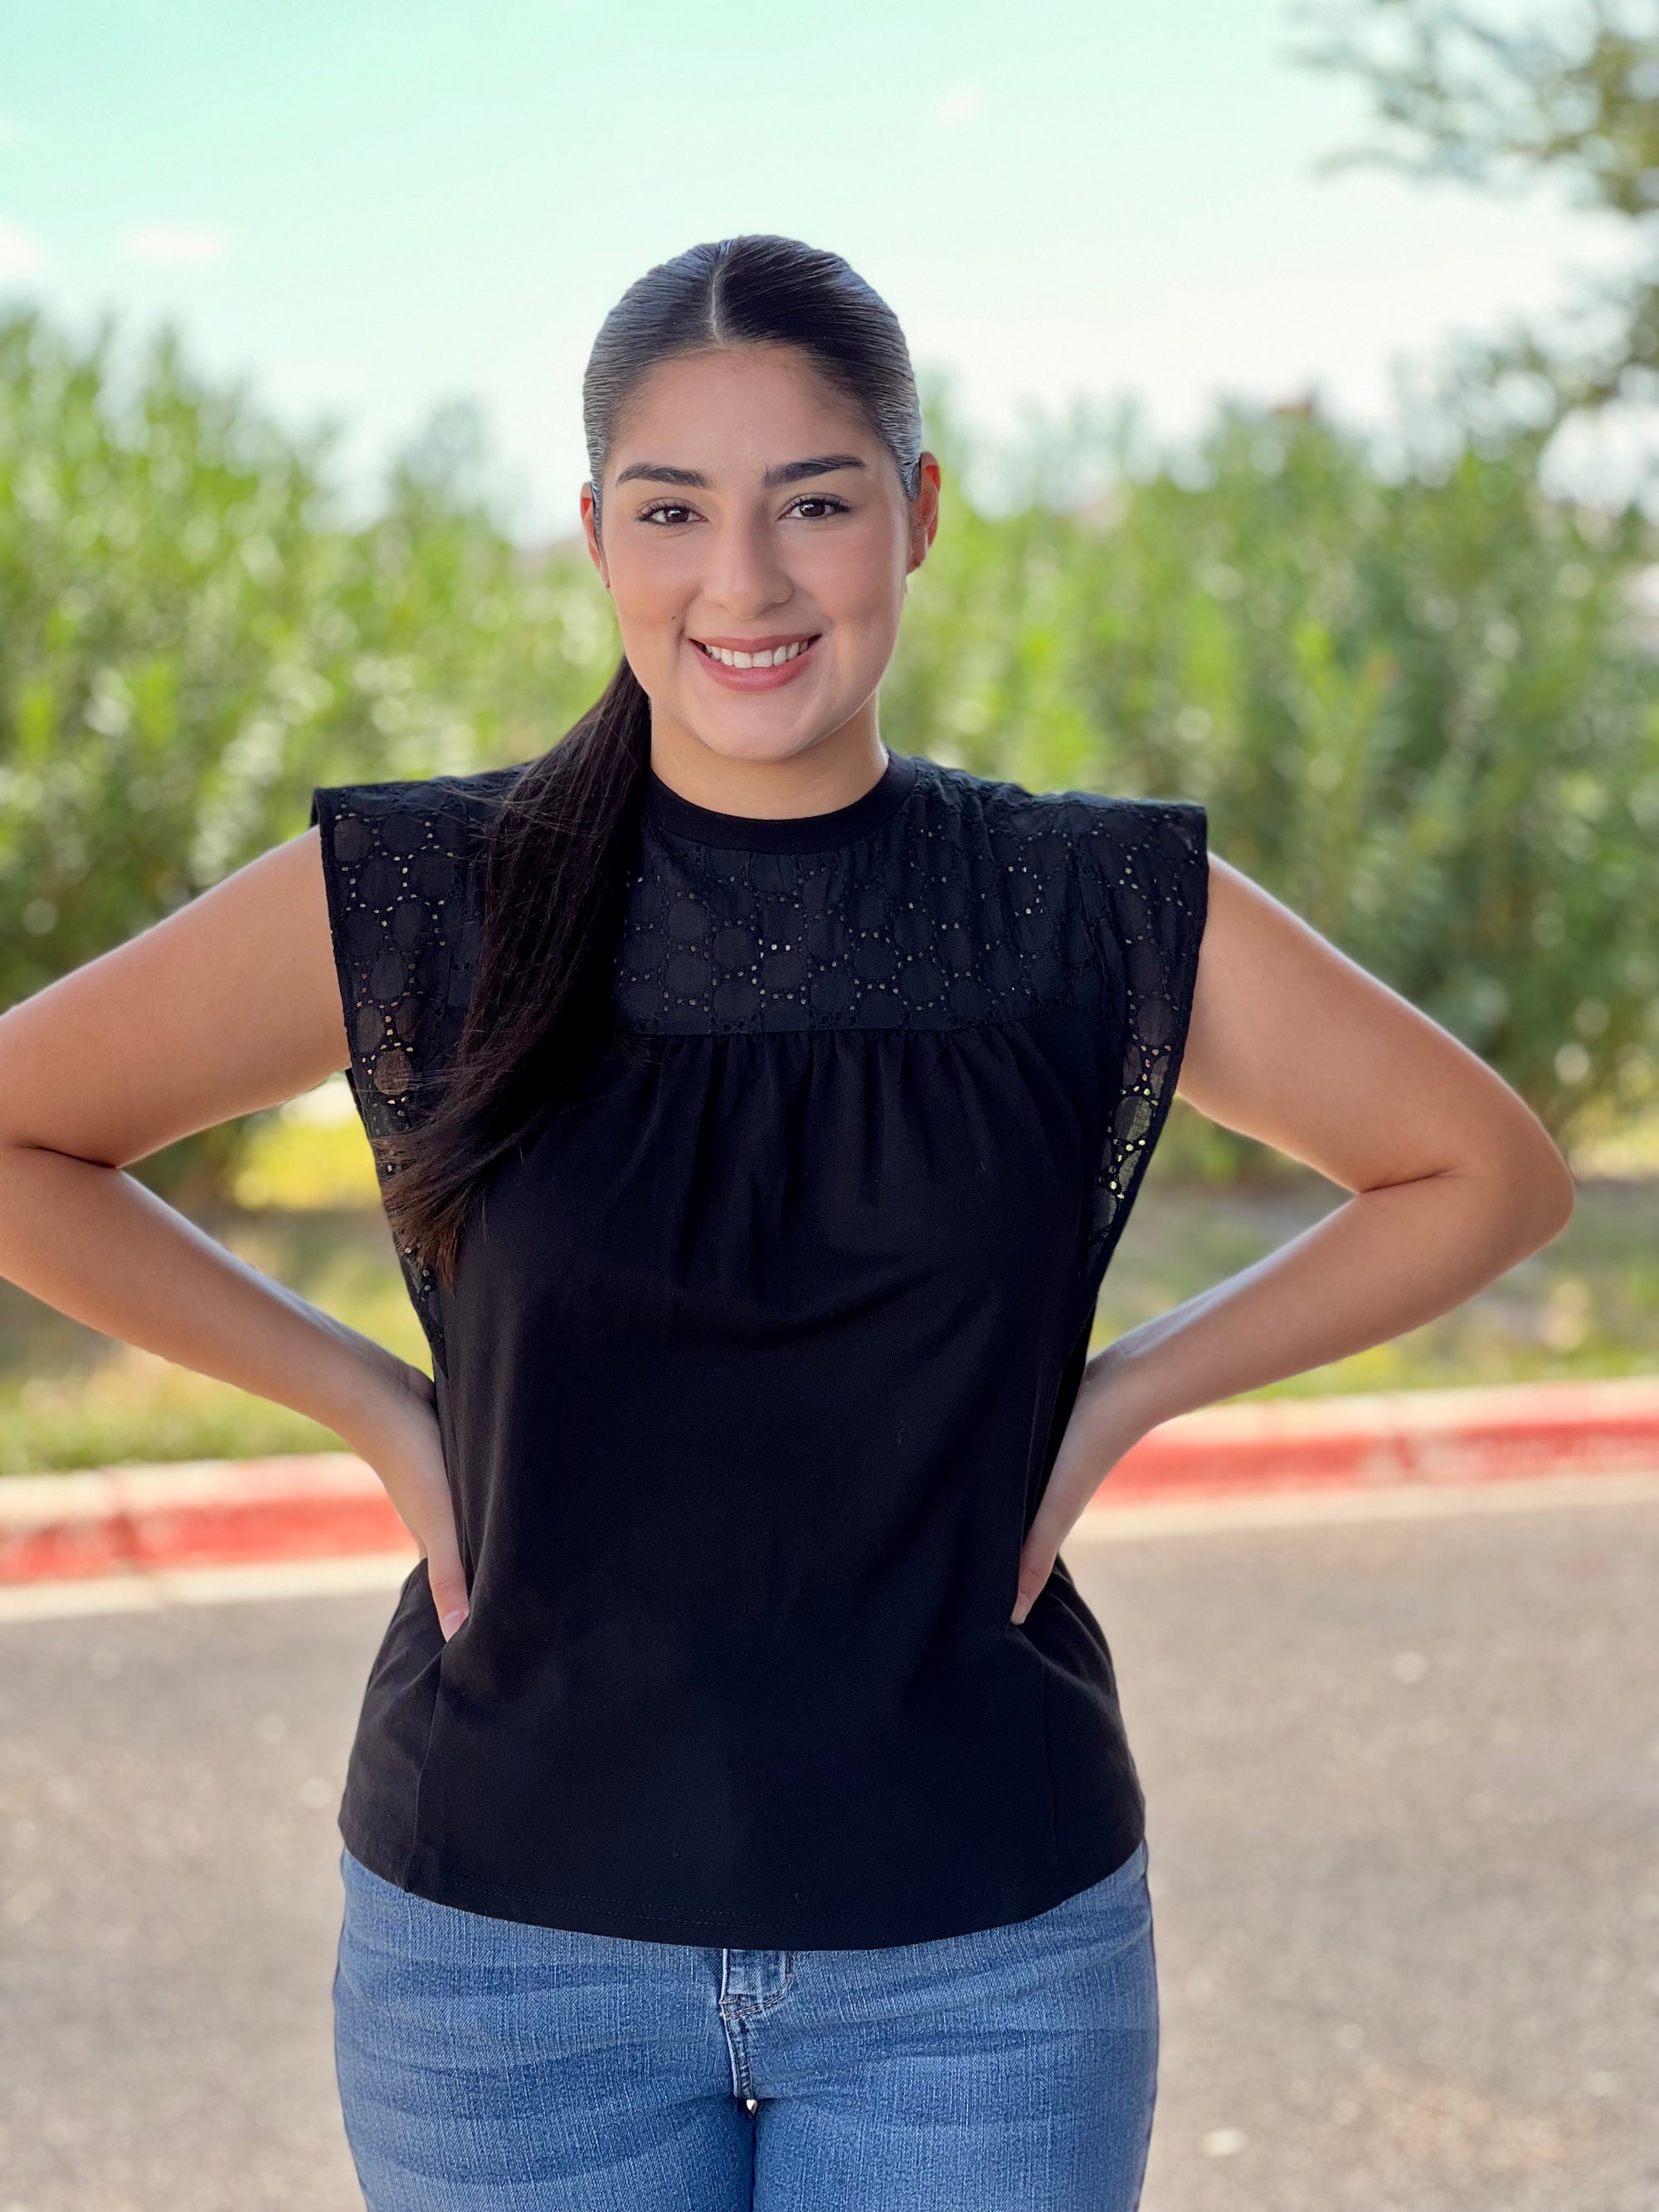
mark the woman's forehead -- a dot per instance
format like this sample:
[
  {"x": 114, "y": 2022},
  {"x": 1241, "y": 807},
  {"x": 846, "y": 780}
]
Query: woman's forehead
[{"x": 738, "y": 400}]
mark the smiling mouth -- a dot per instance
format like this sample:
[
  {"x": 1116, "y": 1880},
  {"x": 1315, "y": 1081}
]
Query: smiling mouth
[{"x": 759, "y": 653}]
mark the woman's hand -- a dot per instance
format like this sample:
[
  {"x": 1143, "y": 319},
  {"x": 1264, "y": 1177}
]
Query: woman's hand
[
  {"x": 1101, "y": 1428},
  {"x": 400, "y": 1440}
]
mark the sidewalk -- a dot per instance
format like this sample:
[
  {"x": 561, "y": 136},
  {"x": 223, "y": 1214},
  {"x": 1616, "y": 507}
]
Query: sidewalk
[{"x": 199, "y": 1513}]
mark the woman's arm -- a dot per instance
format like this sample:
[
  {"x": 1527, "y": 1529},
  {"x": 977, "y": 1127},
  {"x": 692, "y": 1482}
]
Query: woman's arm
[
  {"x": 229, "y": 1005},
  {"x": 1454, "y": 1181}
]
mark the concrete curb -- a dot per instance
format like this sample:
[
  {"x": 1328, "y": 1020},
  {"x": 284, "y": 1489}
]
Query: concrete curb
[{"x": 203, "y": 1513}]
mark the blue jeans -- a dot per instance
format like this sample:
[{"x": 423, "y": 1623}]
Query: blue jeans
[{"x": 488, "y": 2066}]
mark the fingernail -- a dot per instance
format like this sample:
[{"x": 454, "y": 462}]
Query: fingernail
[{"x": 449, "y": 1622}]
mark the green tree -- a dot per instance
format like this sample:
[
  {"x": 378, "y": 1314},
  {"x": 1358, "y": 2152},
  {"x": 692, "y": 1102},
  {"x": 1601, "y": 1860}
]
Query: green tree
[
  {"x": 1477, "y": 95},
  {"x": 1419, "y": 703},
  {"x": 189, "y": 639}
]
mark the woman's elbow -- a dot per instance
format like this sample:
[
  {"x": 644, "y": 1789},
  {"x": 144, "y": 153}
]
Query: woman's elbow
[{"x": 1540, "y": 1192}]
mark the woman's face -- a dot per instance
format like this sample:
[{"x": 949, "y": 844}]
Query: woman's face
[{"x": 756, "y": 538}]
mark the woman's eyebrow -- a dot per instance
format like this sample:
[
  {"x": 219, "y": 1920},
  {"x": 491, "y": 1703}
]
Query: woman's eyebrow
[
  {"x": 661, "y": 472},
  {"x": 795, "y": 471},
  {"x": 787, "y": 473}
]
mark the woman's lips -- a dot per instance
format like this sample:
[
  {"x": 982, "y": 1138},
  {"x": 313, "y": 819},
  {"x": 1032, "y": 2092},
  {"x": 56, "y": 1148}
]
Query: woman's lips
[{"x": 732, "y": 678}]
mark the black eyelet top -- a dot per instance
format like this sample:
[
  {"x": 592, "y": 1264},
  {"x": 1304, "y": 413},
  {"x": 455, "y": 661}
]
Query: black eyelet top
[{"x": 758, "y": 1358}]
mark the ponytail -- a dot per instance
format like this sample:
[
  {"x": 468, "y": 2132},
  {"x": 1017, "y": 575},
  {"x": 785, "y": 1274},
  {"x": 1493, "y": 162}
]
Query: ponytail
[{"x": 555, "y": 876}]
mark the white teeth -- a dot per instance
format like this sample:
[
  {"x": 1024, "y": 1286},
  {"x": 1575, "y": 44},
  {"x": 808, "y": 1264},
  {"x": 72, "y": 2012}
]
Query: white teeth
[{"x": 774, "y": 659}]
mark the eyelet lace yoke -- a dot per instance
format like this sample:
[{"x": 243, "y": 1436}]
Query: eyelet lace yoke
[{"x": 976, "y": 903}]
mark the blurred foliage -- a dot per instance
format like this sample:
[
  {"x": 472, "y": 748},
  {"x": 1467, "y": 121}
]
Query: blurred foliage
[
  {"x": 132, "y": 1409},
  {"x": 71, "y": 1398},
  {"x": 1420, "y": 707},
  {"x": 1418, "y": 699},
  {"x": 1481, "y": 94},
  {"x": 189, "y": 639},
  {"x": 309, "y": 1156},
  {"x": 1584, "y": 1306}
]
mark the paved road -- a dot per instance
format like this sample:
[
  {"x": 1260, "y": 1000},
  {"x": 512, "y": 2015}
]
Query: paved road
[{"x": 1405, "y": 1852}]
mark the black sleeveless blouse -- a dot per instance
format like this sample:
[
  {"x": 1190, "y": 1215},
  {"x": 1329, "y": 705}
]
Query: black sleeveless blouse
[{"x": 757, "y": 1357}]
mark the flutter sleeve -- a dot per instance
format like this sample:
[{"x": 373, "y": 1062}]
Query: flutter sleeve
[
  {"x": 1146, "y": 872},
  {"x": 400, "y": 867}
]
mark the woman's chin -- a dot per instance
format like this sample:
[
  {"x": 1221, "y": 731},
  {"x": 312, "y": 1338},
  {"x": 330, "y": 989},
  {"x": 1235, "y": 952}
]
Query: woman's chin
[
  {"x": 764, "y": 727},
  {"x": 744, "y": 739}
]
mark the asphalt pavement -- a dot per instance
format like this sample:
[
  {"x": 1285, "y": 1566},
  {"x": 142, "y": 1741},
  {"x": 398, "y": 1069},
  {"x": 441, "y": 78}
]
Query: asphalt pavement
[{"x": 1403, "y": 1777}]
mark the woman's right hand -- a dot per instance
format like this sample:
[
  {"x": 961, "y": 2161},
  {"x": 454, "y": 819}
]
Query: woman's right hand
[{"x": 404, "y": 1445}]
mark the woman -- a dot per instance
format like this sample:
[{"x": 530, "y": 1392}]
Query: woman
[{"x": 740, "y": 1810}]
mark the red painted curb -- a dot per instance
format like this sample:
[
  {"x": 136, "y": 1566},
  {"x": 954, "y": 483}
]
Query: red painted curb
[
  {"x": 220, "y": 1512},
  {"x": 212, "y": 1512},
  {"x": 1482, "y": 1434}
]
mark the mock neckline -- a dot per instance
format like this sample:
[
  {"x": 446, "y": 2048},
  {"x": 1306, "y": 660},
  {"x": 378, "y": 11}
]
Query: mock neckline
[{"x": 791, "y": 832}]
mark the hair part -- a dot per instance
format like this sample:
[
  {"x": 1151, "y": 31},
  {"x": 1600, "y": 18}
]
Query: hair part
[
  {"x": 758, "y": 291},
  {"x": 556, "y": 854}
]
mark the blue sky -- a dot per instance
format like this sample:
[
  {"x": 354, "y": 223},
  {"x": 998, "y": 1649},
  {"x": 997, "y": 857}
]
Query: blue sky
[{"x": 369, "y": 208}]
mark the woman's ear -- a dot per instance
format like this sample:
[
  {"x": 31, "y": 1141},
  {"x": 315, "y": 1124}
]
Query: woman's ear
[
  {"x": 591, "y": 532},
  {"x": 924, "y": 511}
]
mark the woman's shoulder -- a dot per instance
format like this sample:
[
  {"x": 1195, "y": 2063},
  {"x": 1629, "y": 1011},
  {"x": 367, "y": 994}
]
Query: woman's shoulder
[
  {"x": 1110, "y": 824},
  {"x": 401, "y": 872},
  {"x": 417, "y": 810}
]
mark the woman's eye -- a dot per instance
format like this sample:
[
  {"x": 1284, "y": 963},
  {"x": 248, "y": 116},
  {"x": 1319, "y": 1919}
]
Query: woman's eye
[{"x": 811, "y": 506}]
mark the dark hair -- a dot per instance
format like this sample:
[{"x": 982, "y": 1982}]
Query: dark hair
[{"x": 554, "y": 861}]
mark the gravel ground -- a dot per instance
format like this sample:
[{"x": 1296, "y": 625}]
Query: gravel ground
[{"x": 1404, "y": 1789}]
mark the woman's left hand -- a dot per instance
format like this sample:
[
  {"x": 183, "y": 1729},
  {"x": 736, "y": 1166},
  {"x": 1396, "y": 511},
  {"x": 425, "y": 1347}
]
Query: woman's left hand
[{"x": 1101, "y": 1430}]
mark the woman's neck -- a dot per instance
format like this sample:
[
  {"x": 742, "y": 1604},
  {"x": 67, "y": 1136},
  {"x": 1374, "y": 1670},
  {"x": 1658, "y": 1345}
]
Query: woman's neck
[{"x": 826, "y": 773}]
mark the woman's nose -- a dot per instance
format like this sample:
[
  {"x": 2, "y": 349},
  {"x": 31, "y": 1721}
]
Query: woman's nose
[{"x": 745, "y": 573}]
